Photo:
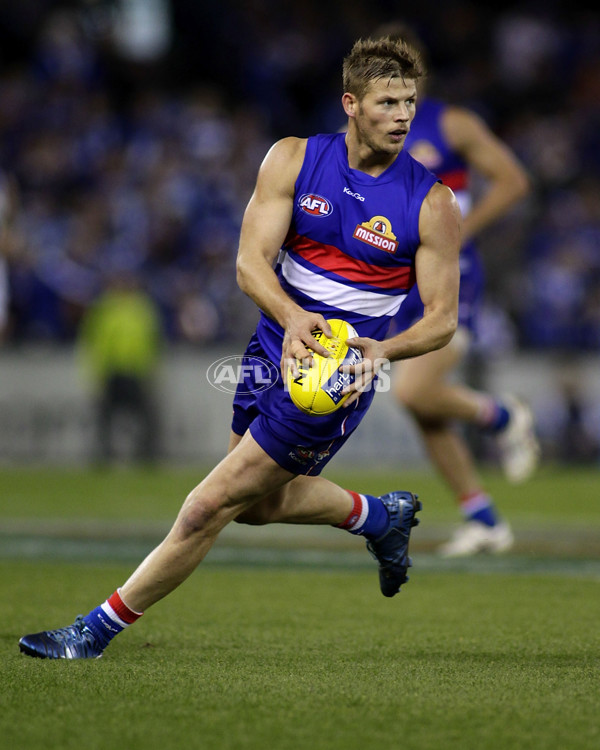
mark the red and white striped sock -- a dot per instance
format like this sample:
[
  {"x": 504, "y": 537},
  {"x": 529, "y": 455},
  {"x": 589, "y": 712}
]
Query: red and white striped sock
[
  {"x": 368, "y": 517},
  {"x": 478, "y": 506},
  {"x": 118, "y": 611},
  {"x": 110, "y": 618},
  {"x": 358, "y": 515}
]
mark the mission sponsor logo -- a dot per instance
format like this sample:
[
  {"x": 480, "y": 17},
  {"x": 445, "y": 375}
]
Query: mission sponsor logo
[
  {"x": 315, "y": 205},
  {"x": 377, "y": 232}
]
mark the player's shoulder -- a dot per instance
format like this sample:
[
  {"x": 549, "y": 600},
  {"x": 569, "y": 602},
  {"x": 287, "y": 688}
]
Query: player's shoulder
[
  {"x": 462, "y": 125},
  {"x": 457, "y": 113},
  {"x": 440, "y": 217},
  {"x": 282, "y": 163},
  {"x": 440, "y": 198},
  {"x": 286, "y": 150}
]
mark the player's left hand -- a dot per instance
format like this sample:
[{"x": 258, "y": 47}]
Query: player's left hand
[
  {"x": 364, "y": 371},
  {"x": 299, "y": 341}
]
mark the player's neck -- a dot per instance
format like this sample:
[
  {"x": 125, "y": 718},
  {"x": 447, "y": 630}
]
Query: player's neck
[{"x": 364, "y": 158}]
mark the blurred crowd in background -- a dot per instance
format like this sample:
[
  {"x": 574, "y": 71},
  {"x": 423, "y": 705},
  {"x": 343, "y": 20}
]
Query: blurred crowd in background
[{"x": 131, "y": 132}]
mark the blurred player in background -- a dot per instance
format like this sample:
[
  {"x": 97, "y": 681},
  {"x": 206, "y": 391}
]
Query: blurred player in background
[
  {"x": 452, "y": 141},
  {"x": 8, "y": 207},
  {"x": 360, "y": 221},
  {"x": 3, "y": 297}
]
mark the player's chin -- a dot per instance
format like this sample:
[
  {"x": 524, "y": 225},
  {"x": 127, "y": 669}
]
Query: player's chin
[
  {"x": 396, "y": 145},
  {"x": 391, "y": 148}
]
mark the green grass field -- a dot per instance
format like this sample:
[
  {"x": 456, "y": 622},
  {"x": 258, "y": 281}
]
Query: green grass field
[{"x": 282, "y": 640}]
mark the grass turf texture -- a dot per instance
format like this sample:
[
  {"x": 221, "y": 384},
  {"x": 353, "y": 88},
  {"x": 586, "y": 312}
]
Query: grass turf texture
[
  {"x": 288, "y": 659},
  {"x": 303, "y": 658},
  {"x": 567, "y": 496}
]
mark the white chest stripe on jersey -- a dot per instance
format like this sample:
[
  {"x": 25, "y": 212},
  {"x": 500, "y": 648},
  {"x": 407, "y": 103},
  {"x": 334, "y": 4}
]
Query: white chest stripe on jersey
[{"x": 335, "y": 294}]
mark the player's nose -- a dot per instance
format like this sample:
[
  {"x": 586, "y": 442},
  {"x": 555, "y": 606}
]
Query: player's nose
[{"x": 401, "y": 113}]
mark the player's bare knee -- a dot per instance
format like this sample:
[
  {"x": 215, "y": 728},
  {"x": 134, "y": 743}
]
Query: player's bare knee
[
  {"x": 431, "y": 425},
  {"x": 411, "y": 397},
  {"x": 199, "y": 516}
]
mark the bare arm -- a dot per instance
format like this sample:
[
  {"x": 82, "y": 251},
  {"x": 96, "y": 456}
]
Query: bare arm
[
  {"x": 438, "y": 279},
  {"x": 264, "y": 229},
  {"x": 489, "y": 156}
]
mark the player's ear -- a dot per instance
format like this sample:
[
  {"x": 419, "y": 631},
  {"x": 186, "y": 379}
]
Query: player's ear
[{"x": 350, "y": 104}]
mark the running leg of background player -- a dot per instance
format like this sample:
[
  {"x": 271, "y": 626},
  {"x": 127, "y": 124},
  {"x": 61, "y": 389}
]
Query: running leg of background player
[{"x": 423, "y": 387}]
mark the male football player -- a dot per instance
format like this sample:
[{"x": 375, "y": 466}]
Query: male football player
[{"x": 359, "y": 221}]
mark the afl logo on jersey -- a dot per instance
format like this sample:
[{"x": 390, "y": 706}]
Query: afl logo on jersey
[{"x": 315, "y": 205}]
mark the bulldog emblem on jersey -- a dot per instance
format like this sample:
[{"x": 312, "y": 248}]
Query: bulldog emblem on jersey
[
  {"x": 426, "y": 153},
  {"x": 377, "y": 232}
]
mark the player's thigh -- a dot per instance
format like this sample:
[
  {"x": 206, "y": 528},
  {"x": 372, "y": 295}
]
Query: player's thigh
[
  {"x": 414, "y": 378},
  {"x": 234, "y": 439},
  {"x": 267, "y": 507},
  {"x": 276, "y": 506},
  {"x": 243, "y": 477}
]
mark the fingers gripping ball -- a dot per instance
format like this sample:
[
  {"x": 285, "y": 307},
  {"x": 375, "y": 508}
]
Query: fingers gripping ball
[{"x": 318, "y": 388}]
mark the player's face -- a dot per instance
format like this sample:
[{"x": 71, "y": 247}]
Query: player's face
[{"x": 384, "y": 114}]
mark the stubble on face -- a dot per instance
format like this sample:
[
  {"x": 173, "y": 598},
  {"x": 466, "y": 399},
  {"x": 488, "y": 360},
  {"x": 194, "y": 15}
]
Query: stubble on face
[{"x": 384, "y": 115}]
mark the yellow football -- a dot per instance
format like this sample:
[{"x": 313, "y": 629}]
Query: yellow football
[{"x": 318, "y": 388}]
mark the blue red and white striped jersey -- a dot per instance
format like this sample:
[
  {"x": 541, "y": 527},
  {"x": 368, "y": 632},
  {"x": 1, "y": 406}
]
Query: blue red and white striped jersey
[
  {"x": 350, "y": 251},
  {"x": 427, "y": 144}
]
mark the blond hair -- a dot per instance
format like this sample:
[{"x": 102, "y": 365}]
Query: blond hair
[{"x": 372, "y": 59}]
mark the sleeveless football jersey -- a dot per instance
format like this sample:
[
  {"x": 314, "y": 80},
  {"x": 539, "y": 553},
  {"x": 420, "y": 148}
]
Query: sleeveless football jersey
[
  {"x": 350, "y": 254},
  {"x": 350, "y": 250},
  {"x": 426, "y": 143}
]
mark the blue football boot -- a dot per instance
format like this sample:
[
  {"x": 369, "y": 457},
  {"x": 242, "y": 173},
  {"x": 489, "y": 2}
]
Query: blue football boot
[
  {"x": 391, "y": 549},
  {"x": 76, "y": 641}
]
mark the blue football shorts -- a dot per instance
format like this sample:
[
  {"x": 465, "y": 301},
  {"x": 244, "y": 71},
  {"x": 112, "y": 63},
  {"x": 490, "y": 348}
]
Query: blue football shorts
[{"x": 298, "y": 442}]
